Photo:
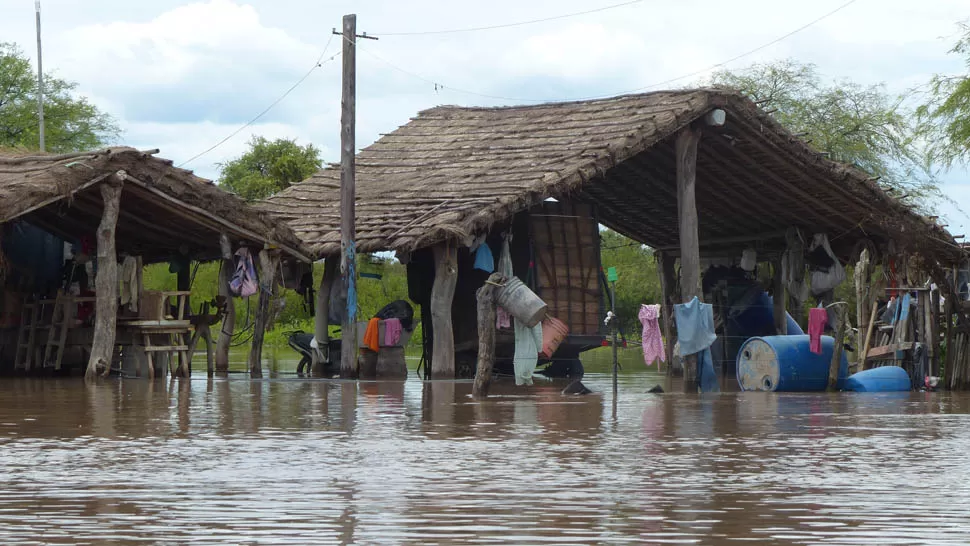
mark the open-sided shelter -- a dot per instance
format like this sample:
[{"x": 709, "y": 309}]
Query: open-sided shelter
[{"x": 692, "y": 173}]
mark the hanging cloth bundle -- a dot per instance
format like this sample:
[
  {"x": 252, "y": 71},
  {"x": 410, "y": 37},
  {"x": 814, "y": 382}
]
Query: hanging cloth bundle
[
  {"x": 244, "y": 282},
  {"x": 827, "y": 271}
]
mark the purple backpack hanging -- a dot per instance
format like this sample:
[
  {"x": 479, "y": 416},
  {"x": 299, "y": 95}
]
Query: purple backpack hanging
[{"x": 243, "y": 282}]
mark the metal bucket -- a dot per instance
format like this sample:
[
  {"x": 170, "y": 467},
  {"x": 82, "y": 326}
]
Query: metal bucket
[
  {"x": 520, "y": 302},
  {"x": 786, "y": 364}
]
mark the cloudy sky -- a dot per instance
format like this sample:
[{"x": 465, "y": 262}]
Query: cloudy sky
[{"x": 181, "y": 76}]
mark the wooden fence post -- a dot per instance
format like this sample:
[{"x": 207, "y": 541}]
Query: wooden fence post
[
  {"x": 486, "y": 334},
  {"x": 229, "y": 320}
]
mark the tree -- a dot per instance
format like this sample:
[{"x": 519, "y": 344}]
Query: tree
[
  {"x": 946, "y": 114},
  {"x": 269, "y": 167},
  {"x": 71, "y": 123},
  {"x": 858, "y": 124}
]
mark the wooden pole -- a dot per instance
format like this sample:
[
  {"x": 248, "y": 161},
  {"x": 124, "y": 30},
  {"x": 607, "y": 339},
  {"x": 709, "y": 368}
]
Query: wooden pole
[
  {"x": 268, "y": 263},
  {"x": 486, "y": 335},
  {"x": 348, "y": 255},
  {"x": 779, "y": 300},
  {"x": 614, "y": 327},
  {"x": 40, "y": 84},
  {"x": 321, "y": 320},
  {"x": 863, "y": 286},
  {"x": 106, "y": 282},
  {"x": 841, "y": 322},
  {"x": 668, "y": 287},
  {"x": 442, "y": 296},
  {"x": 229, "y": 320},
  {"x": 934, "y": 333},
  {"x": 864, "y": 349},
  {"x": 690, "y": 260}
]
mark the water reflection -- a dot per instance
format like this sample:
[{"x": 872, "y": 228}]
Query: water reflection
[{"x": 296, "y": 461}]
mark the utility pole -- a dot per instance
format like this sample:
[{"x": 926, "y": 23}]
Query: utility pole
[
  {"x": 348, "y": 247},
  {"x": 40, "y": 80}
]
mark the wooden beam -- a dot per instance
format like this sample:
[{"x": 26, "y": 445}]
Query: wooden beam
[
  {"x": 888, "y": 350},
  {"x": 106, "y": 283},
  {"x": 690, "y": 259},
  {"x": 229, "y": 321},
  {"x": 779, "y": 300},
  {"x": 321, "y": 317},
  {"x": 442, "y": 296},
  {"x": 217, "y": 223},
  {"x": 269, "y": 261},
  {"x": 57, "y": 198}
]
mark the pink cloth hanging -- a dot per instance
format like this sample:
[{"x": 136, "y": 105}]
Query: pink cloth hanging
[
  {"x": 392, "y": 332},
  {"x": 817, "y": 319},
  {"x": 653, "y": 345},
  {"x": 502, "y": 318}
]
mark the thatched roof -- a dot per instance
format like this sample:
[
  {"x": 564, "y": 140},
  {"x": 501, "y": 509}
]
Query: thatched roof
[
  {"x": 163, "y": 208},
  {"x": 453, "y": 171}
]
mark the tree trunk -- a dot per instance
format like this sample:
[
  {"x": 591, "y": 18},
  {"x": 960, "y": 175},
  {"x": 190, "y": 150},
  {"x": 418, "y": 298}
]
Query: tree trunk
[
  {"x": 106, "y": 281},
  {"x": 268, "y": 262},
  {"x": 486, "y": 335},
  {"x": 442, "y": 295},
  {"x": 229, "y": 321}
]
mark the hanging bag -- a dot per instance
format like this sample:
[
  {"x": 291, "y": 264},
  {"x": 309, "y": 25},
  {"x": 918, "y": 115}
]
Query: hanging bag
[{"x": 244, "y": 281}]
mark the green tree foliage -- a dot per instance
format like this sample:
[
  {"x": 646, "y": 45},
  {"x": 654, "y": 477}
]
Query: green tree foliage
[
  {"x": 946, "y": 114},
  {"x": 71, "y": 123},
  {"x": 269, "y": 167},
  {"x": 857, "y": 124},
  {"x": 637, "y": 278}
]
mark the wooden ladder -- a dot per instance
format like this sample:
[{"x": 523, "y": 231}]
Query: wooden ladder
[
  {"x": 57, "y": 335},
  {"x": 27, "y": 335}
]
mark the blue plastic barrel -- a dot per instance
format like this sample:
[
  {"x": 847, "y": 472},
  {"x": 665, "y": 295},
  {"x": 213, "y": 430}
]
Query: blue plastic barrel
[
  {"x": 883, "y": 379},
  {"x": 786, "y": 364}
]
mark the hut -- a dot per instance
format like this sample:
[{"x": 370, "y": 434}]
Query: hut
[
  {"x": 699, "y": 174},
  {"x": 66, "y": 218}
]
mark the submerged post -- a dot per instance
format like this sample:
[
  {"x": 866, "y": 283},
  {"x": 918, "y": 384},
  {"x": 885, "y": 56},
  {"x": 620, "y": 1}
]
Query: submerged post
[
  {"x": 611, "y": 276},
  {"x": 321, "y": 317},
  {"x": 348, "y": 256},
  {"x": 442, "y": 295},
  {"x": 690, "y": 260},
  {"x": 268, "y": 263},
  {"x": 229, "y": 320},
  {"x": 668, "y": 287},
  {"x": 841, "y": 323},
  {"x": 486, "y": 334},
  {"x": 106, "y": 281}
]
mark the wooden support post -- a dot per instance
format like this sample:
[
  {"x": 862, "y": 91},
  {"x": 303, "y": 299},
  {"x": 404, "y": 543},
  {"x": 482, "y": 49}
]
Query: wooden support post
[
  {"x": 867, "y": 342},
  {"x": 229, "y": 320},
  {"x": 442, "y": 295},
  {"x": 268, "y": 263},
  {"x": 668, "y": 287},
  {"x": 779, "y": 300},
  {"x": 934, "y": 333},
  {"x": 486, "y": 334},
  {"x": 106, "y": 281},
  {"x": 841, "y": 323},
  {"x": 690, "y": 260},
  {"x": 864, "y": 300},
  {"x": 348, "y": 256},
  {"x": 321, "y": 318}
]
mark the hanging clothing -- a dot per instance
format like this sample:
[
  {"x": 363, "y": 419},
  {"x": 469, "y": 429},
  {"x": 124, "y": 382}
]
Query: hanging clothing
[
  {"x": 653, "y": 346},
  {"x": 706, "y": 377},
  {"x": 372, "y": 336},
  {"x": 749, "y": 259},
  {"x": 392, "y": 332},
  {"x": 484, "y": 259},
  {"x": 528, "y": 342},
  {"x": 502, "y": 317},
  {"x": 695, "y": 330},
  {"x": 817, "y": 319},
  {"x": 129, "y": 283},
  {"x": 695, "y": 326}
]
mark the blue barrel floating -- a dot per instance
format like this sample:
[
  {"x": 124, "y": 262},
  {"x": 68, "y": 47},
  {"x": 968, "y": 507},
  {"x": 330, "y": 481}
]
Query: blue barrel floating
[
  {"x": 786, "y": 364},
  {"x": 883, "y": 379}
]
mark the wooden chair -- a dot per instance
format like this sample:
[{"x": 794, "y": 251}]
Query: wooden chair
[{"x": 155, "y": 320}]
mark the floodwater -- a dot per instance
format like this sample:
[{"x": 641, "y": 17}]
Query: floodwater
[{"x": 288, "y": 460}]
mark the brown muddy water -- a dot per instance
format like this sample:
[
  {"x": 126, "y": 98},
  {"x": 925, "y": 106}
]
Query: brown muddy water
[{"x": 287, "y": 460}]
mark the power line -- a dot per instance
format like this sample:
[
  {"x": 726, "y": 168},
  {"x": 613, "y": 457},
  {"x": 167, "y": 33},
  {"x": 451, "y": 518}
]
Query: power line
[
  {"x": 319, "y": 62},
  {"x": 438, "y": 85},
  {"x": 507, "y": 25}
]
